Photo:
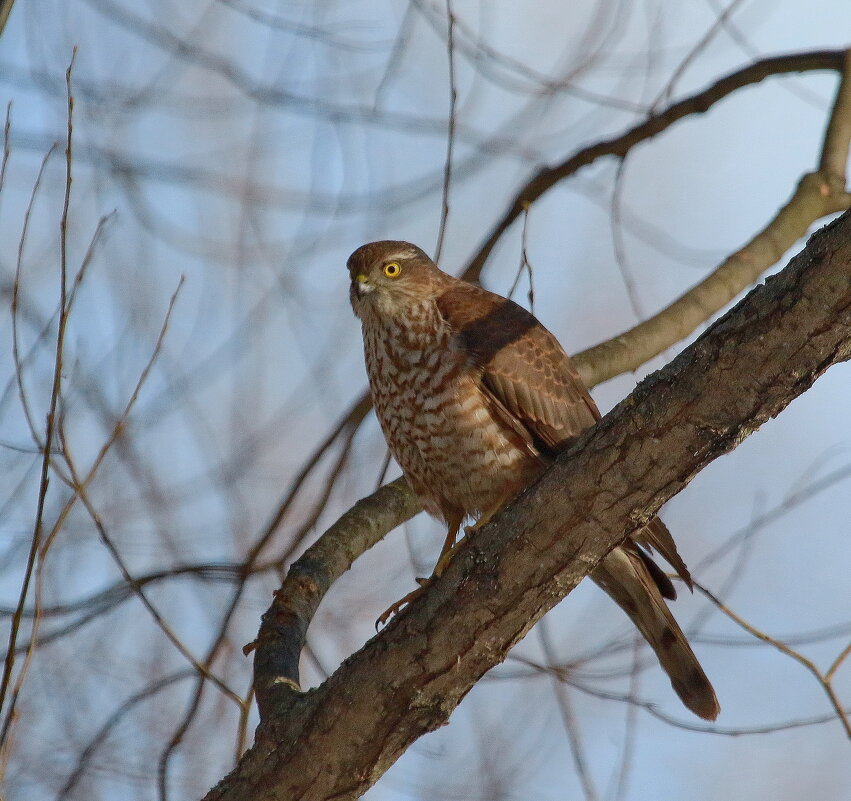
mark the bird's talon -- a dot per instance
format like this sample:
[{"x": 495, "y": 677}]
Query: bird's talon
[{"x": 394, "y": 609}]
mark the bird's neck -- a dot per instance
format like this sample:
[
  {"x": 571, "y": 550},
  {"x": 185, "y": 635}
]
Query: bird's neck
[{"x": 407, "y": 337}]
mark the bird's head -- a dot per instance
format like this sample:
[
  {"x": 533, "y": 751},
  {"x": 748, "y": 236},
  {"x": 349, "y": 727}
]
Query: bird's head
[{"x": 389, "y": 278}]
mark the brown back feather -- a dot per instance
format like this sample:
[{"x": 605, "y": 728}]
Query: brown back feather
[{"x": 523, "y": 366}]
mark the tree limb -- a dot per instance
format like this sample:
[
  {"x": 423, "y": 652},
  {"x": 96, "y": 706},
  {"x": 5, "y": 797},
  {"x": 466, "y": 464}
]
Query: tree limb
[
  {"x": 335, "y": 741},
  {"x": 282, "y": 633}
]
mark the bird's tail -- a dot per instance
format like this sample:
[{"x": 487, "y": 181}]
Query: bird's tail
[{"x": 637, "y": 585}]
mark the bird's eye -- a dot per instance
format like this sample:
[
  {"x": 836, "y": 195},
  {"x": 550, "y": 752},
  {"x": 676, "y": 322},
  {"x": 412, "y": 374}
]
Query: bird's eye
[{"x": 392, "y": 269}]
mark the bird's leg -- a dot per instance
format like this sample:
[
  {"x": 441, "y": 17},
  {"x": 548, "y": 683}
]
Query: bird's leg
[
  {"x": 446, "y": 552},
  {"x": 450, "y": 546},
  {"x": 483, "y": 520},
  {"x": 394, "y": 609}
]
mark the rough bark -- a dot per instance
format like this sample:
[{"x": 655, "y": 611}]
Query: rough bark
[{"x": 337, "y": 740}]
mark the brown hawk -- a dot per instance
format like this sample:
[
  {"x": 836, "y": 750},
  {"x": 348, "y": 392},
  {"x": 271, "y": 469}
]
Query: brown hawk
[{"x": 475, "y": 398}]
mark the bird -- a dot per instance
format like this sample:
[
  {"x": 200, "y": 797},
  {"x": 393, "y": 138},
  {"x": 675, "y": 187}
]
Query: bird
[{"x": 475, "y": 398}]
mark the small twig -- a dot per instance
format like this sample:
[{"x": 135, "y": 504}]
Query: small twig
[
  {"x": 568, "y": 719},
  {"x": 746, "y": 544},
  {"x": 112, "y": 721},
  {"x": 843, "y": 654},
  {"x": 50, "y": 429},
  {"x": 385, "y": 466},
  {"x": 824, "y": 679},
  {"x": 789, "y": 504},
  {"x": 450, "y": 134},
  {"x": 16, "y": 288},
  {"x": 701, "y": 45},
  {"x": 515, "y": 74},
  {"x": 395, "y": 58},
  {"x": 6, "y": 147},
  {"x": 525, "y": 264},
  {"x": 630, "y": 724},
  {"x": 621, "y": 258}
]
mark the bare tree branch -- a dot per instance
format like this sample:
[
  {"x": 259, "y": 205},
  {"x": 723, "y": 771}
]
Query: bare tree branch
[
  {"x": 824, "y": 679},
  {"x": 282, "y": 634},
  {"x": 450, "y": 133},
  {"x": 50, "y": 433}
]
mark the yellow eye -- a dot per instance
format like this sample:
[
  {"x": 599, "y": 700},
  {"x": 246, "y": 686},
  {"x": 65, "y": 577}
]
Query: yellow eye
[{"x": 392, "y": 270}]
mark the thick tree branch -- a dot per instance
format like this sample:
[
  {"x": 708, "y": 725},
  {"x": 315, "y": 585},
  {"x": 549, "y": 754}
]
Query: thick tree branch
[{"x": 337, "y": 740}]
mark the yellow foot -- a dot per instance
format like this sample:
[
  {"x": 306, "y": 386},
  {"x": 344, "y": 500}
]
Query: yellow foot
[
  {"x": 402, "y": 602},
  {"x": 445, "y": 558},
  {"x": 482, "y": 521}
]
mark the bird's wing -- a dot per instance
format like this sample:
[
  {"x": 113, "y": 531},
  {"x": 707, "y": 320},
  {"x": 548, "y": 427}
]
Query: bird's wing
[
  {"x": 655, "y": 536},
  {"x": 523, "y": 368},
  {"x": 534, "y": 387}
]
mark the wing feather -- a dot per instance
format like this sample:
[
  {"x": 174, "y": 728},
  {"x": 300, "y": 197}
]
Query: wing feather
[{"x": 522, "y": 365}]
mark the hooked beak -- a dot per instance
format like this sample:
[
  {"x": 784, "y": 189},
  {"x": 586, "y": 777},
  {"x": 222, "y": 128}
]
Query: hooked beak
[{"x": 361, "y": 286}]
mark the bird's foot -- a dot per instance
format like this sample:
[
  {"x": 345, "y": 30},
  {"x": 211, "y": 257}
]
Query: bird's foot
[
  {"x": 448, "y": 552},
  {"x": 394, "y": 609}
]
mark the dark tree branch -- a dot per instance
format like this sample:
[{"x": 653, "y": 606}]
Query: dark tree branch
[
  {"x": 282, "y": 633},
  {"x": 335, "y": 741}
]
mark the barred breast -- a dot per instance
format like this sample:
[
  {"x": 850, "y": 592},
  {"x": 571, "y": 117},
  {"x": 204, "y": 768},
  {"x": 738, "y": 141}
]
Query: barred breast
[{"x": 458, "y": 457}]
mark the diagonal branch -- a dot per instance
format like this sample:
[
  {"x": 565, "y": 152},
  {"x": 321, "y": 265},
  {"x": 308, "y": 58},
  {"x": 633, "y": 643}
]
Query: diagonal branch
[{"x": 338, "y": 739}]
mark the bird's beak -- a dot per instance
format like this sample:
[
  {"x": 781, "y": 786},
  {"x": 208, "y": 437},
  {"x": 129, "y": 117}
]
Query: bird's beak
[{"x": 361, "y": 285}]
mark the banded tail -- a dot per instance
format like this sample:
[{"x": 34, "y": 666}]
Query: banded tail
[{"x": 638, "y": 585}]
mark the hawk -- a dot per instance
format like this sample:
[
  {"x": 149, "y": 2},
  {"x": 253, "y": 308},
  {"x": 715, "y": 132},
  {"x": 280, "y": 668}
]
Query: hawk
[{"x": 476, "y": 398}]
